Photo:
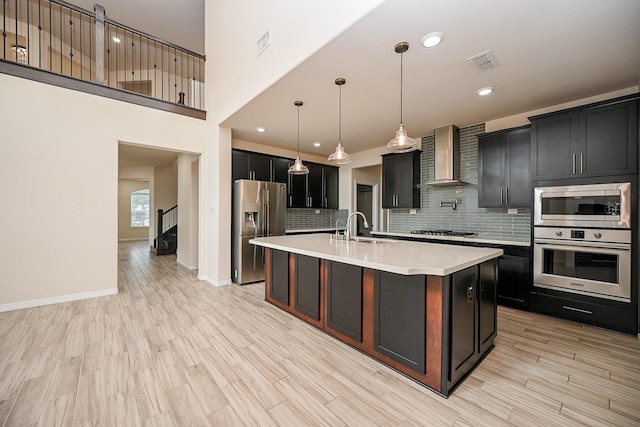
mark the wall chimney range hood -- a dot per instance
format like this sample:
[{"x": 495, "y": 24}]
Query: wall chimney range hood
[{"x": 447, "y": 156}]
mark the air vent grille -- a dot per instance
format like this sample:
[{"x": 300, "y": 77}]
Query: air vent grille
[{"x": 484, "y": 61}]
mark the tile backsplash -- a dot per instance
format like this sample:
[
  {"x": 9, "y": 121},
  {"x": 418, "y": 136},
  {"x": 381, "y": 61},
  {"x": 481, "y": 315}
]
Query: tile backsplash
[
  {"x": 468, "y": 216},
  {"x": 301, "y": 219}
]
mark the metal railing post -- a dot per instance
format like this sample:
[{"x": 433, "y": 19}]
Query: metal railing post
[{"x": 99, "y": 43}]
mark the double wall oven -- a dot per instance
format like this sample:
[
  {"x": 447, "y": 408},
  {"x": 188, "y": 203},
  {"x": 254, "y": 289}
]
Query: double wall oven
[{"x": 582, "y": 239}]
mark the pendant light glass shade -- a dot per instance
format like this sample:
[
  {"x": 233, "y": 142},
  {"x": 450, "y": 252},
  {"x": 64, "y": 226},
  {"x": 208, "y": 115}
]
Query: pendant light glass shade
[
  {"x": 297, "y": 168},
  {"x": 401, "y": 143},
  {"x": 339, "y": 157}
]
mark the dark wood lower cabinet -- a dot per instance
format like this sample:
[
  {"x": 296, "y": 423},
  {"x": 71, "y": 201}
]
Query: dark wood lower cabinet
[
  {"x": 463, "y": 320},
  {"x": 399, "y": 318},
  {"x": 279, "y": 276},
  {"x": 433, "y": 329},
  {"x": 344, "y": 299},
  {"x": 307, "y": 286}
]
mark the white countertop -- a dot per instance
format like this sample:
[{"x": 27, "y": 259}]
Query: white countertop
[
  {"x": 394, "y": 256},
  {"x": 477, "y": 238}
]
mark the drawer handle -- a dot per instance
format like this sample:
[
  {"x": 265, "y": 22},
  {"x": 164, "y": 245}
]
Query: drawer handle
[
  {"x": 566, "y": 307},
  {"x": 470, "y": 294}
]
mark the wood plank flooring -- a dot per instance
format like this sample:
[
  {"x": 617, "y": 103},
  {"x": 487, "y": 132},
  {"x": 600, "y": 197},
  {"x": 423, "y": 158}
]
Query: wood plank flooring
[{"x": 169, "y": 350}]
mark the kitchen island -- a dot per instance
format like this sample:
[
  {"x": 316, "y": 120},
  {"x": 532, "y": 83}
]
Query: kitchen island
[{"x": 426, "y": 310}]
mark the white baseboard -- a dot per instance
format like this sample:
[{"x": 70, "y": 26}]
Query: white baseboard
[
  {"x": 190, "y": 267},
  {"x": 133, "y": 239},
  {"x": 216, "y": 283},
  {"x": 56, "y": 300}
]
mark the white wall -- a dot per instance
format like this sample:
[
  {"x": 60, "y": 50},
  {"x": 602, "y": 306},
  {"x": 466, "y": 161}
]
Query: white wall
[
  {"x": 237, "y": 77},
  {"x": 61, "y": 220}
]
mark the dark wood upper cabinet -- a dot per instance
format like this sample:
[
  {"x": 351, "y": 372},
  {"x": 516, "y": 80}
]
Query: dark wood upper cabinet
[
  {"x": 254, "y": 166},
  {"x": 595, "y": 140},
  {"x": 400, "y": 179},
  {"x": 318, "y": 189},
  {"x": 503, "y": 168}
]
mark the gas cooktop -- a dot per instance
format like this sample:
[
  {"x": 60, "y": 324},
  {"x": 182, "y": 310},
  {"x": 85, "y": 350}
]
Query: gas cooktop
[{"x": 443, "y": 233}]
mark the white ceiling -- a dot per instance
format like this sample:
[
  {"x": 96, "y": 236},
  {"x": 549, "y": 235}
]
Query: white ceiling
[
  {"x": 551, "y": 52},
  {"x": 133, "y": 155}
]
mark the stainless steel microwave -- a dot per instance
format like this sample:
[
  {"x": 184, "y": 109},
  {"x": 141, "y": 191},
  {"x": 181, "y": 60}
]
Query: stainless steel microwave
[{"x": 590, "y": 205}]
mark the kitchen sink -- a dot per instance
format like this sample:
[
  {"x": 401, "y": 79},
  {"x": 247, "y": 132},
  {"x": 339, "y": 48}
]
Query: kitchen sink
[{"x": 372, "y": 241}]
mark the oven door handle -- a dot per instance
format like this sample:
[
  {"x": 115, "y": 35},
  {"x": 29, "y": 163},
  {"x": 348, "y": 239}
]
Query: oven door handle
[{"x": 594, "y": 245}]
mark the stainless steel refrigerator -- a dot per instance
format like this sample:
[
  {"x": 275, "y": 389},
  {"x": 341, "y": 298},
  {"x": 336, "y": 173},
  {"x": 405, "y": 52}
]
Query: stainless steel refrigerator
[{"x": 258, "y": 211}]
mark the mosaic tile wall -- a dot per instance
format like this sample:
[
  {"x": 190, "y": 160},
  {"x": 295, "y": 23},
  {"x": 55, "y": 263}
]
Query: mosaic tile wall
[
  {"x": 300, "y": 219},
  {"x": 468, "y": 216}
]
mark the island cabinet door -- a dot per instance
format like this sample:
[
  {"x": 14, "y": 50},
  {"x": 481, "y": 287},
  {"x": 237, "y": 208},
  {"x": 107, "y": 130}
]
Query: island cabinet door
[
  {"x": 487, "y": 305},
  {"x": 279, "y": 276},
  {"x": 307, "y": 286},
  {"x": 399, "y": 318},
  {"x": 463, "y": 322},
  {"x": 344, "y": 300}
]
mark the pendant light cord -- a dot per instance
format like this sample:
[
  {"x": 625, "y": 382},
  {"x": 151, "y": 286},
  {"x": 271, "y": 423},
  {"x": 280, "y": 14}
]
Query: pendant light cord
[
  {"x": 401, "y": 74},
  {"x": 298, "y": 131},
  {"x": 340, "y": 112}
]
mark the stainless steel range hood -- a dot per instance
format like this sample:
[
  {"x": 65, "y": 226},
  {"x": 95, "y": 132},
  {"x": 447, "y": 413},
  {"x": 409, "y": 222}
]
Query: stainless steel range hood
[{"x": 447, "y": 156}]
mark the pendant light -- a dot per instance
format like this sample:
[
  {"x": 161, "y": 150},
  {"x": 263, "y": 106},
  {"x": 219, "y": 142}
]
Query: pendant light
[
  {"x": 297, "y": 168},
  {"x": 401, "y": 143},
  {"x": 339, "y": 157}
]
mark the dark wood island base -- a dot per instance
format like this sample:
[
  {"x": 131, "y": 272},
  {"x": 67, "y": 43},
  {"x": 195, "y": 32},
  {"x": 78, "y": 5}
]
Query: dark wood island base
[{"x": 434, "y": 329}]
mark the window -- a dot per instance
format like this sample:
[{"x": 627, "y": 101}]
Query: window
[{"x": 140, "y": 208}]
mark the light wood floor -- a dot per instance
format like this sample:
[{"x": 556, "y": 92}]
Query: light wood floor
[{"x": 171, "y": 350}]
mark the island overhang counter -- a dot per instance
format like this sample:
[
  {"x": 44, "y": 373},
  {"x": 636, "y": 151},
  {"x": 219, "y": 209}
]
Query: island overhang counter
[{"x": 426, "y": 310}]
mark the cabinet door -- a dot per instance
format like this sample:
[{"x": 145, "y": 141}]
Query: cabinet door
[
  {"x": 297, "y": 189},
  {"x": 307, "y": 286},
  {"x": 399, "y": 318},
  {"x": 279, "y": 168},
  {"x": 280, "y": 276},
  {"x": 260, "y": 167},
  {"x": 344, "y": 299},
  {"x": 240, "y": 165},
  {"x": 487, "y": 308},
  {"x": 331, "y": 199},
  {"x": 407, "y": 191},
  {"x": 554, "y": 140},
  {"x": 389, "y": 181},
  {"x": 514, "y": 282},
  {"x": 463, "y": 322},
  {"x": 315, "y": 186},
  {"x": 491, "y": 161},
  {"x": 609, "y": 140},
  {"x": 517, "y": 177}
]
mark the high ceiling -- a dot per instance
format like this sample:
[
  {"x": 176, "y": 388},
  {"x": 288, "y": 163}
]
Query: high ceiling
[{"x": 550, "y": 52}]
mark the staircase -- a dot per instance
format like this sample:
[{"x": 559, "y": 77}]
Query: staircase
[{"x": 166, "y": 241}]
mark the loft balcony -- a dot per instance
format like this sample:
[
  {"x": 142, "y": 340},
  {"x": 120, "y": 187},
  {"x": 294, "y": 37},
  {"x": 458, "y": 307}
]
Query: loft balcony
[{"x": 61, "y": 44}]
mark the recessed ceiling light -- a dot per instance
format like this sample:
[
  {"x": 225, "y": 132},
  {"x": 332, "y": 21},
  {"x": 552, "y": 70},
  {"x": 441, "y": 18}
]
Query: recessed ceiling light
[
  {"x": 116, "y": 39},
  {"x": 432, "y": 39},
  {"x": 485, "y": 91},
  {"x": 316, "y": 144},
  {"x": 261, "y": 129}
]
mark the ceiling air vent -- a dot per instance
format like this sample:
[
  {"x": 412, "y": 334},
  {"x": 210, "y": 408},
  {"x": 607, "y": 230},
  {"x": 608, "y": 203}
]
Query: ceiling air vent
[{"x": 484, "y": 61}]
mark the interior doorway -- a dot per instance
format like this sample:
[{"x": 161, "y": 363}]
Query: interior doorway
[{"x": 364, "y": 204}]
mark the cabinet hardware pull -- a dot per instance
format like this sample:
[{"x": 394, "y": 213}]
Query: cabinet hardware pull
[
  {"x": 470, "y": 294},
  {"x": 506, "y": 196},
  {"x": 566, "y": 307},
  {"x": 573, "y": 164},
  {"x": 581, "y": 163},
  {"x": 501, "y": 198}
]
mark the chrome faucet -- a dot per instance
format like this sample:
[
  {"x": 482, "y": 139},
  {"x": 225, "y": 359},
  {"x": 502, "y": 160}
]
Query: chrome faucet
[{"x": 347, "y": 232}]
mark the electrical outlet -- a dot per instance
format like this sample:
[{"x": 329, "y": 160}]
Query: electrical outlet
[
  {"x": 512, "y": 210},
  {"x": 317, "y": 211},
  {"x": 412, "y": 211}
]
